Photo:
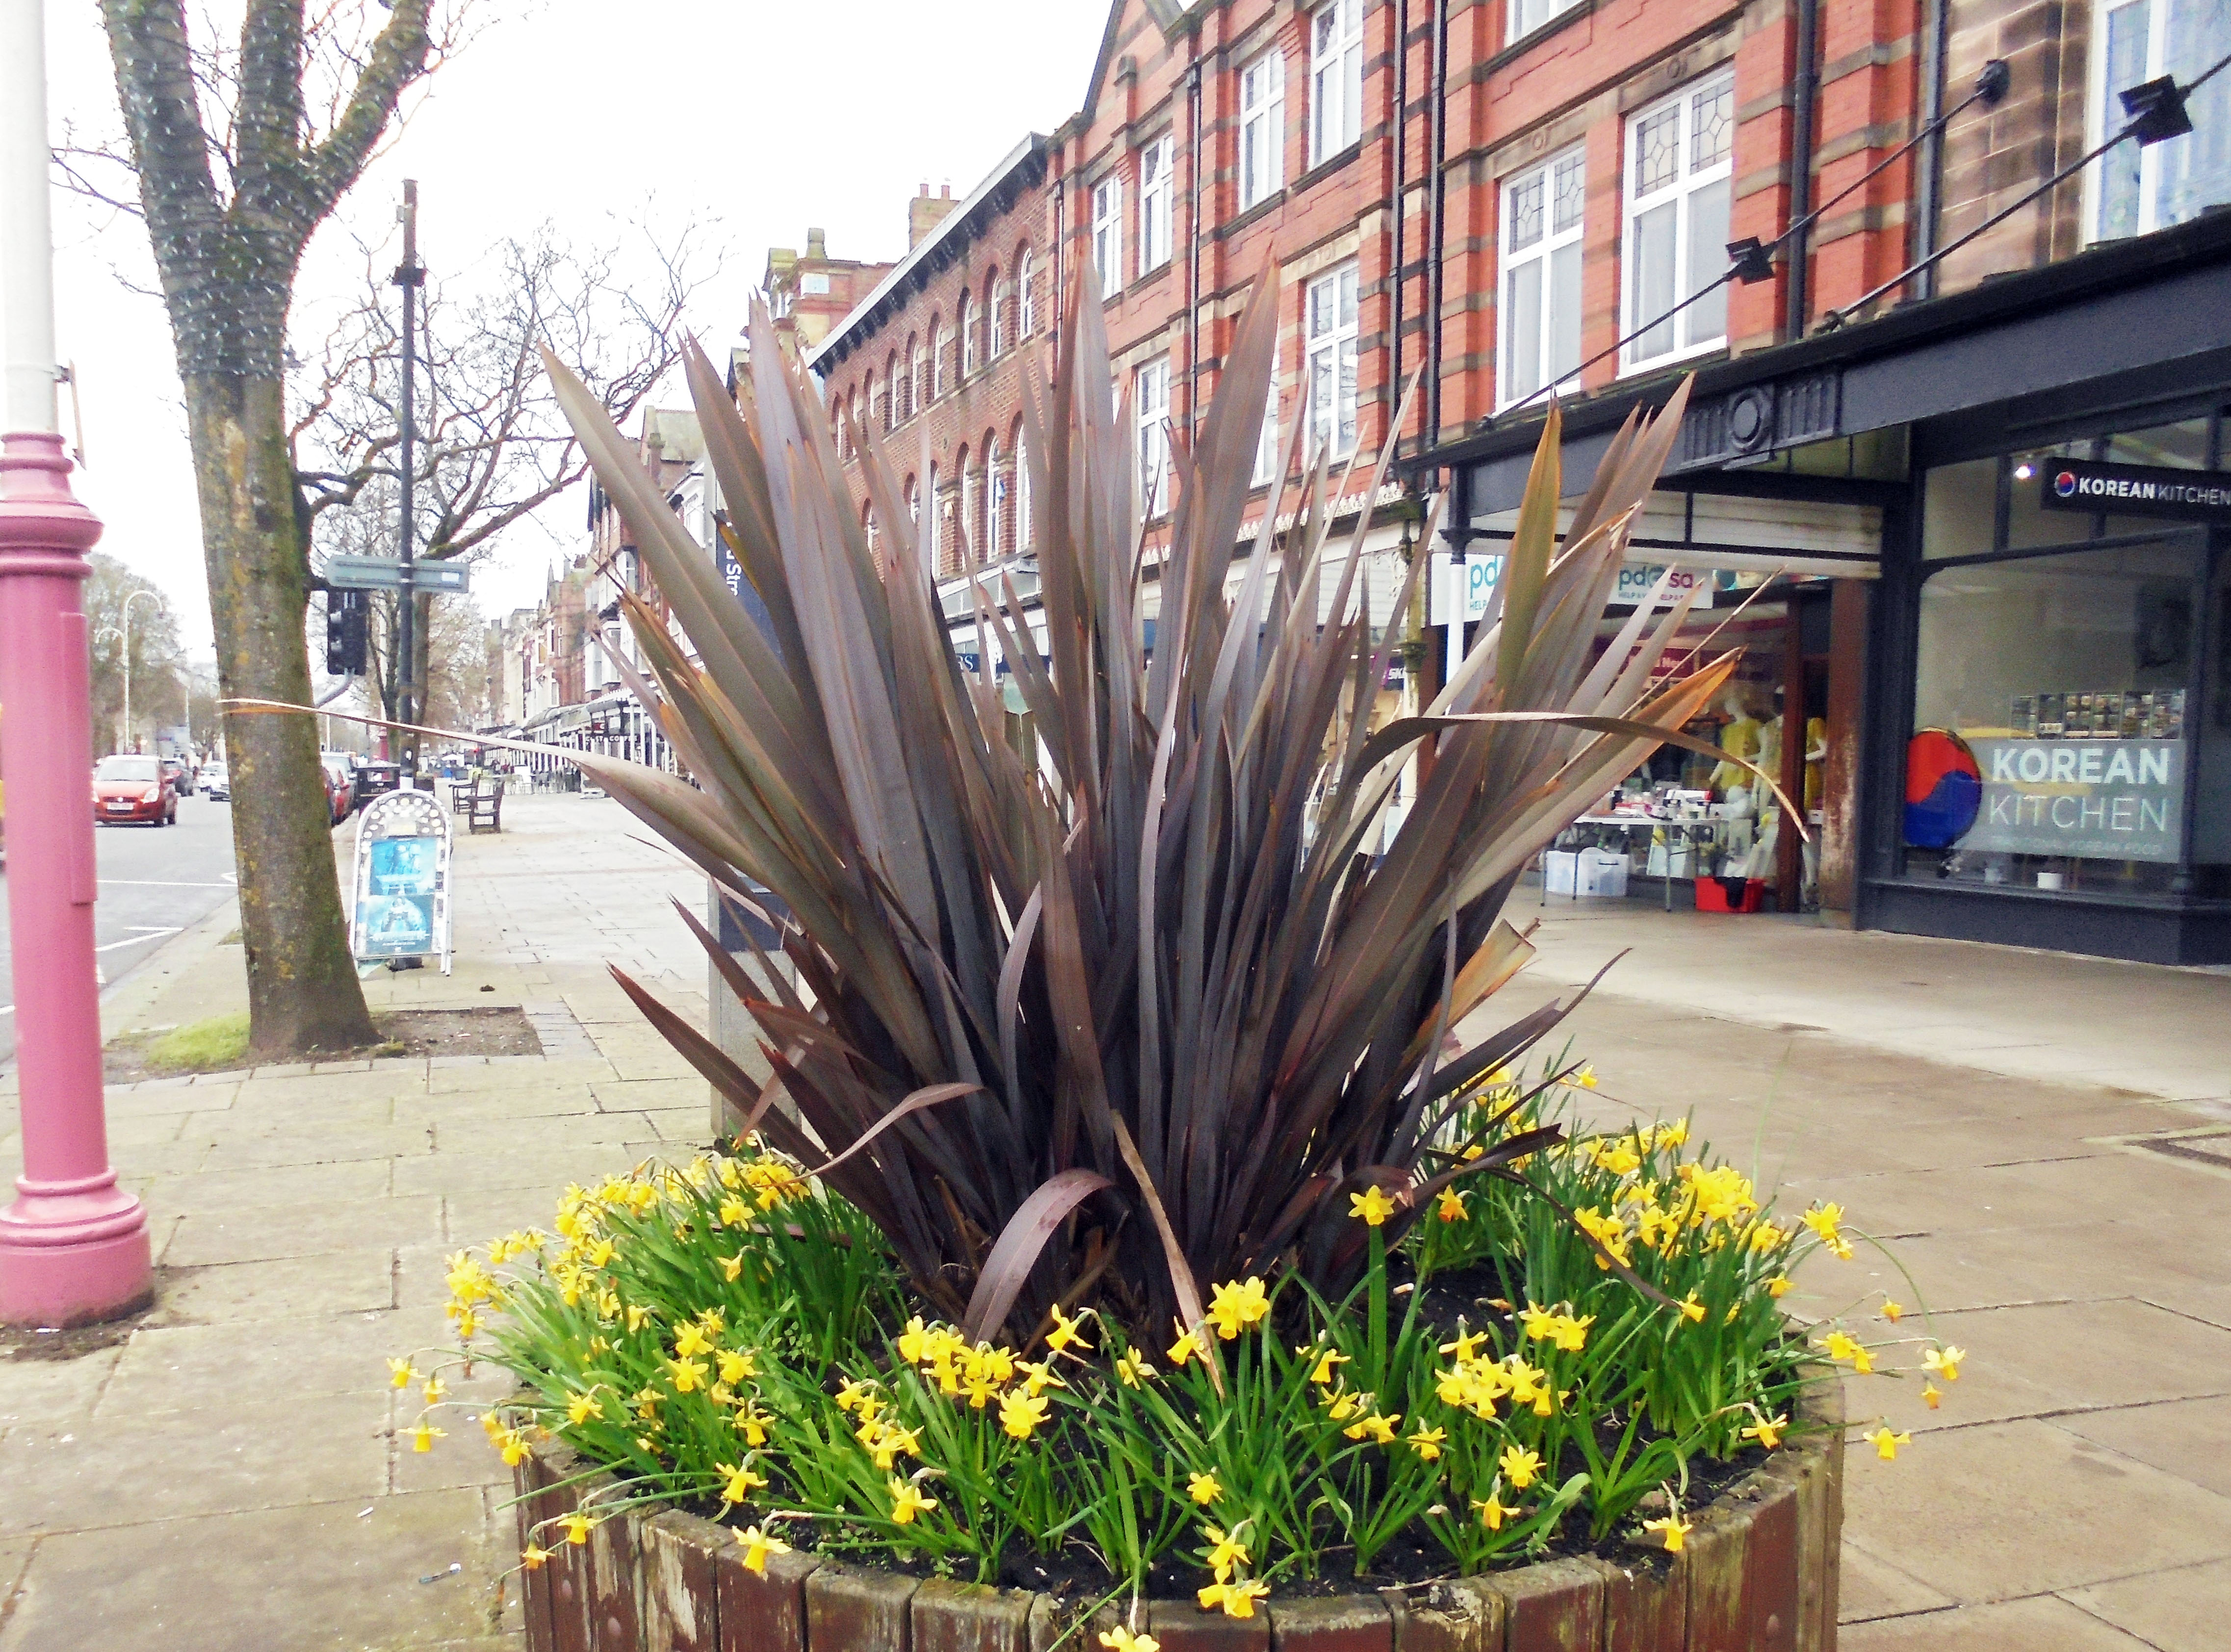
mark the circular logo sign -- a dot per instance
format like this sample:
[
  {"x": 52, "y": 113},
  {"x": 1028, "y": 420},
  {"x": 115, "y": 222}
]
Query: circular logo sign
[{"x": 2065, "y": 484}]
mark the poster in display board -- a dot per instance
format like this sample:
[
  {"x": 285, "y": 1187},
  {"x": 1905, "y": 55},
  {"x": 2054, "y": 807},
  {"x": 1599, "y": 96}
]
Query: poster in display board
[
  {"x": 2102, "y": 799},
  {"x": 402, "y": 882}
]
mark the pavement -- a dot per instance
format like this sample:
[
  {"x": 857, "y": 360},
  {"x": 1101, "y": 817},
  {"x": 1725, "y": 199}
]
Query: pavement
[
  {"x": 230, "y": 1475},
  {"x": 155, "y": 883}
]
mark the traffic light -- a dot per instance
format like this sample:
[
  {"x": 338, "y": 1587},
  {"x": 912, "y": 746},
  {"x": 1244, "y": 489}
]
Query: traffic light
[{"x": 345, "y": 633}]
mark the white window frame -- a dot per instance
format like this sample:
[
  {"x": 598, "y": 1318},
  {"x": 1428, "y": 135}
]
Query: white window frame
[
  {"x": 1556, "y": 304},
  {"x": 995, "y": 497},
  {"x": 1526, "y": 16},
  {"x": 1151, "y": 391},
  {"x": 1336, "y": 78},
  {"x": 2104, "y": 117},
  {"x": 995, "y": 322},
  {"x": 1687, "y": 184},
  {"x": 1157, "y": 161},
  {"x": 914, "y": 377},
  {"x": 1107, "y": 233},
  {"x": 1022, "y": 492},
  {"x": 1267, "y": 443},
  {"x": 964, "y": 319},
  {"x": 1026, "y": 312},
  {"x": 1261, "y": 128},
  {"x": 937, "y": 364},
  {"x": 1329, "y": 344}
]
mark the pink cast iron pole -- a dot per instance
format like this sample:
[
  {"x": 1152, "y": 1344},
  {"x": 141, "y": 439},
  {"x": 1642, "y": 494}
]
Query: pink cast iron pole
[{"x": 73, "y": 1245}]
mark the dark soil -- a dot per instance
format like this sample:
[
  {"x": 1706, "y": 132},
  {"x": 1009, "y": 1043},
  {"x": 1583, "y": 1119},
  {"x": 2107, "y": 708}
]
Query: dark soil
[
  {"x": 490, "y": 1029},
  {"x": 45, "y": 1343}
]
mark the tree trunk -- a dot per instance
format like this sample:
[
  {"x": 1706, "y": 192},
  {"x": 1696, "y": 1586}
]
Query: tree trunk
[{"x": 302, "y": 990}]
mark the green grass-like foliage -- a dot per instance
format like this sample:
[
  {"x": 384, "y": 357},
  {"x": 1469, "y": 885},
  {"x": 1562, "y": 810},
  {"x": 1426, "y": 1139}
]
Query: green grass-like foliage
[
  {"x": 1096, "y": 1028},
  {"x": 211, "y": 1046},
  {"x": 731, "y": 1334}
]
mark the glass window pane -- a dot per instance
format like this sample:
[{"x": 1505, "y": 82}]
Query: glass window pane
[
  {"x": 1712, "y": 126},
  {"x": 2195, "y": 170},
  {"x": 2119, "y": 168},
  {"x": 1523, "y": 308},
  {"x": 1656, "y": 149},
  {"x": 1348, "y": 399},
  {"x": 1569, "y": 188},
  {"x": 1652, "y": 274},
  {"x": 1564, "y": 339},
  {"x": 1707, "y": 318},
  {"x": 1526, "y": 202}
]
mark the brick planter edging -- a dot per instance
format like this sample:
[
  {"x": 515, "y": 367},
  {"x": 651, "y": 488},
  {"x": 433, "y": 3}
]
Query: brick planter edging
[{"x": 1759, "y": 1574}]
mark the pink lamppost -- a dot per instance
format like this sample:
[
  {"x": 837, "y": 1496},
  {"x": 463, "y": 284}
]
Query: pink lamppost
[{"x": 73, "y": 1245}]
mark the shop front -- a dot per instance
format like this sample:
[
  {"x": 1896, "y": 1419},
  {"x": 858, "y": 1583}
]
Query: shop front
[{"x": 1997, "y": 528}]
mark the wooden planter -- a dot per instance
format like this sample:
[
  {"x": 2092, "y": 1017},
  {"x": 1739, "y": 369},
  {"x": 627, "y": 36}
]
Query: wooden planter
[{"x": 1758, "y": 1575}]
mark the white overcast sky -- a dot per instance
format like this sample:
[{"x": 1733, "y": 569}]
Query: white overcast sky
[{"x": 768, "y": 117}]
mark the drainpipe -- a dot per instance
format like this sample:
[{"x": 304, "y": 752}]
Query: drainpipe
[
  {"x": 1929, "y": 166},
  {"x": 1801, "y": 135},
  {"x": 1401, "y": 146},
  {"x": 1436, "y": 233},
  {"x": 1192, "y": 279}
]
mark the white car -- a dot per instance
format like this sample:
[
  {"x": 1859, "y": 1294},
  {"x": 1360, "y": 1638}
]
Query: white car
[{"x": 217, "y": 782}]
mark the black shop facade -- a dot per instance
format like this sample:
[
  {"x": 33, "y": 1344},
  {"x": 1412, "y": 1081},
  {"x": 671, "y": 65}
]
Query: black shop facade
[{"x": 1977, "y": 554}]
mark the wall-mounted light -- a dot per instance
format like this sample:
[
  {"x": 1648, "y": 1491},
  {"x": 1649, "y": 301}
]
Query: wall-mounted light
[{"x": 2024, "y": 471}]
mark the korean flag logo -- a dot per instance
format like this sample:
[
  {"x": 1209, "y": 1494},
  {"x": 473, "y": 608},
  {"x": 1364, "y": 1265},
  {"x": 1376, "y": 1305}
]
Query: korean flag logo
[{"x": 2065, "y": 484}]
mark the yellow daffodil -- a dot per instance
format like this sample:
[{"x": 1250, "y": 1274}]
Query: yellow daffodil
[
  {"x": 1540, "y": 1323},
  {"x": 1203, "y": 1490},
  {"x": 637, "y": 1316},
  {"x": 1451, "y": 1206},
  {"x": 1237, "y": 1599},
  {"x": 736, "y": 1366},
  {"x": 1466, "y": 1346},
  {"x": 1225, "y": 1552},
  {"x": 1825, "y": 1220},
  {"x": 1945, "y": 1362},
  {"x": 400, "y": 1373},
  {"x": 1891, "y": 1311},
  {"x": 531, "y": 1557},
  {"x": 689, "y": 1374},
  {"x": 852, "y": 1396},
  {"x": 731, "y": 1268},
  {"x": 1692, "y": 1309},
  {"x": 1520, "y": 1467},
  {"x": 1427, "y": 1443},
  {"x": 741, "y": 1482},
  {"x": 1493, "y": 1511},
  {"x": 578, "y": 1526},
  {"x": 1235, "y": 1305},
  {"x": 734, "y": 1213},
  {"x": 423, "y": 1436},
  {"x": 1767, "y": 1431},
  {"x": 1841, "y": 1347},
  {"x": 1673, "y": 1528},
  {"x": 1131, "y": 1370},
  {"x": 1066, "y": 1334},
  {"x": 512, "y": 1443},
  {"x": 601, "y": 1254},
  {"x": 1020, "y": 1414},
  {"x": 757, "y": 1547},
  {"x": 907, "y": 1502},
  {"x": 1322, "y": 1373},
  {"x": 1778, "y": 1286},
  {"x": 1586, "y": 1078},
  {"x": 913, "y": 1341},
  {"x": 582, "y": 1407},
  {"x": 690, "y": 1341},
  {"x": 1886, "y": 1443},
  {"x": 1372, "y": 1207},
  {"x": 1931, "y": 1396},
  {"x": 434, "y": 1389},
  {"x": 1120, "y": 1639},
  {"x": 1340, "y": 1405},
  {"x": 891, "y": 1444}
]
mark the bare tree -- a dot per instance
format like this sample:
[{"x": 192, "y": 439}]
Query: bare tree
[
  {"x": 492, "y": 448},
  {"x": 154, "y": 661},
  {"x": 241, "y": 147}
]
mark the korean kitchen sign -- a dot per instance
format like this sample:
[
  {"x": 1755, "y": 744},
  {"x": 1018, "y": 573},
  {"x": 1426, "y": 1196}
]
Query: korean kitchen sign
[
  {"x": 2134, "y": 490},
  {"x": 2121, "y": 800}
]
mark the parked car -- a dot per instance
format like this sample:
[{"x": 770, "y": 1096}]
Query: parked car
[
  {"x": 374, "y": 777},
  {"x": 216, "y": 781},
  {"x": 340, "y": 793},
  {"x": 126, "y": 788}
]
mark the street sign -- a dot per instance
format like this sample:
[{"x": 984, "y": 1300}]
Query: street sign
[
  {"x": 386, "y": 573},
  {"x": 402, "y": 880}
]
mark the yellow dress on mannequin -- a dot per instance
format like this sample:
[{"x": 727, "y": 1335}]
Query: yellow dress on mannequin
[
  {"x": 1739, "y": 738},
  {"x": 1816, "y": 761}
]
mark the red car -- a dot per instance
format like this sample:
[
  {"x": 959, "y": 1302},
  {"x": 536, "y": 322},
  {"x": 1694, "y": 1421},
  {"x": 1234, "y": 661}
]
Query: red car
[
  {"x": 133, "y": 788},
  {"x": 341, "y": 795}
]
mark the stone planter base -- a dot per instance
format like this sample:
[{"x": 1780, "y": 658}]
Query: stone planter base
[{"x": 1758, "y": 1575}]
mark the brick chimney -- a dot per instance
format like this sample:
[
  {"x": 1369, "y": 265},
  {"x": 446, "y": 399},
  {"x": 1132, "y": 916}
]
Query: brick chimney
[{"x": 924, "y": 211}]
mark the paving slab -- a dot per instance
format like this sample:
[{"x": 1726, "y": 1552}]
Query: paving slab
[
  {"x": 208, "y": 1190},
  {"x": 267, "y": 1232},
  {"x": 2006, "y": 1509},
  {"x": 2042, "y": 1624},
  {"x": 279, "y": 1148},
  {"x": 1873, "y": 1588},
  {"x": 342, "y": 1281},
  {"x": 2189, "y": 1438},
  {"x": 2181, "y": 1611},
  {"x": 201, "y": 1367},
  {"x": 38, "y": 1393}
]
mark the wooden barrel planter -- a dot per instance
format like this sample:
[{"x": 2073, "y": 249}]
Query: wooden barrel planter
[{"x": 1758, "y": 1574}]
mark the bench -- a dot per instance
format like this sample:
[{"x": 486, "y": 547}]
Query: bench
[{"x": 484, "y": 807}]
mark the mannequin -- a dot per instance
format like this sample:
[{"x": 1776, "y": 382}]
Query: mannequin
[
  {"x": 1739, "y": 738},
  {"x": 1816, "y": 761}
]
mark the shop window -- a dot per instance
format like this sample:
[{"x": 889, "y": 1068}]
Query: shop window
[
  {"x": 1108, "y": 233},
  {"x": 1541, "y": 289},
  {"x": 1154, "y": 167},
  {"x": 1526, "y": 16},
  {"x": 1329, "y": 324},
  {"x": 2132, "y": 189},
  {"x": 1261, "y": 128},
  {"x": 1679, "y": 184},
  {"x": 2063, "y": 678},
  {"x": 1152, "y": 391},
  {"x": 1335, "y": 79}
]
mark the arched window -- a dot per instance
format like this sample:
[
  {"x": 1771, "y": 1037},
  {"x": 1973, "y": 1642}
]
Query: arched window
[
  {"x": 1026, "y": 315},
  {"x": 995, "y": 500},
  {"x": 995, "y": 316},
  {"x": 891, "y": 414},
  {"x": 964, "y": 323},
  {"x": 936, "y": 508},
  {"x": 868, "y": 522},
  {"x": 1017, "y": 445},
  {"x": 914, "y": 499},
  {"x": 852, "y": 431},
  {"x": 913, "y": 379},
  {"x": 938, "y": 356}
]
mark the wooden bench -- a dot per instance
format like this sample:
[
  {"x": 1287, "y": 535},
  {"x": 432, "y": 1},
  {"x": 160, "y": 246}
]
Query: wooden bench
[{"x": 484, "y": 807}]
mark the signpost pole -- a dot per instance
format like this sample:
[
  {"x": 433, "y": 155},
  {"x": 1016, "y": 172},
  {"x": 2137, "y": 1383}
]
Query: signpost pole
[{"x": 410, "y": 276}]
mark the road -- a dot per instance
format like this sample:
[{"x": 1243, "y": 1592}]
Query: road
[{"x": 154, "y": 882}]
